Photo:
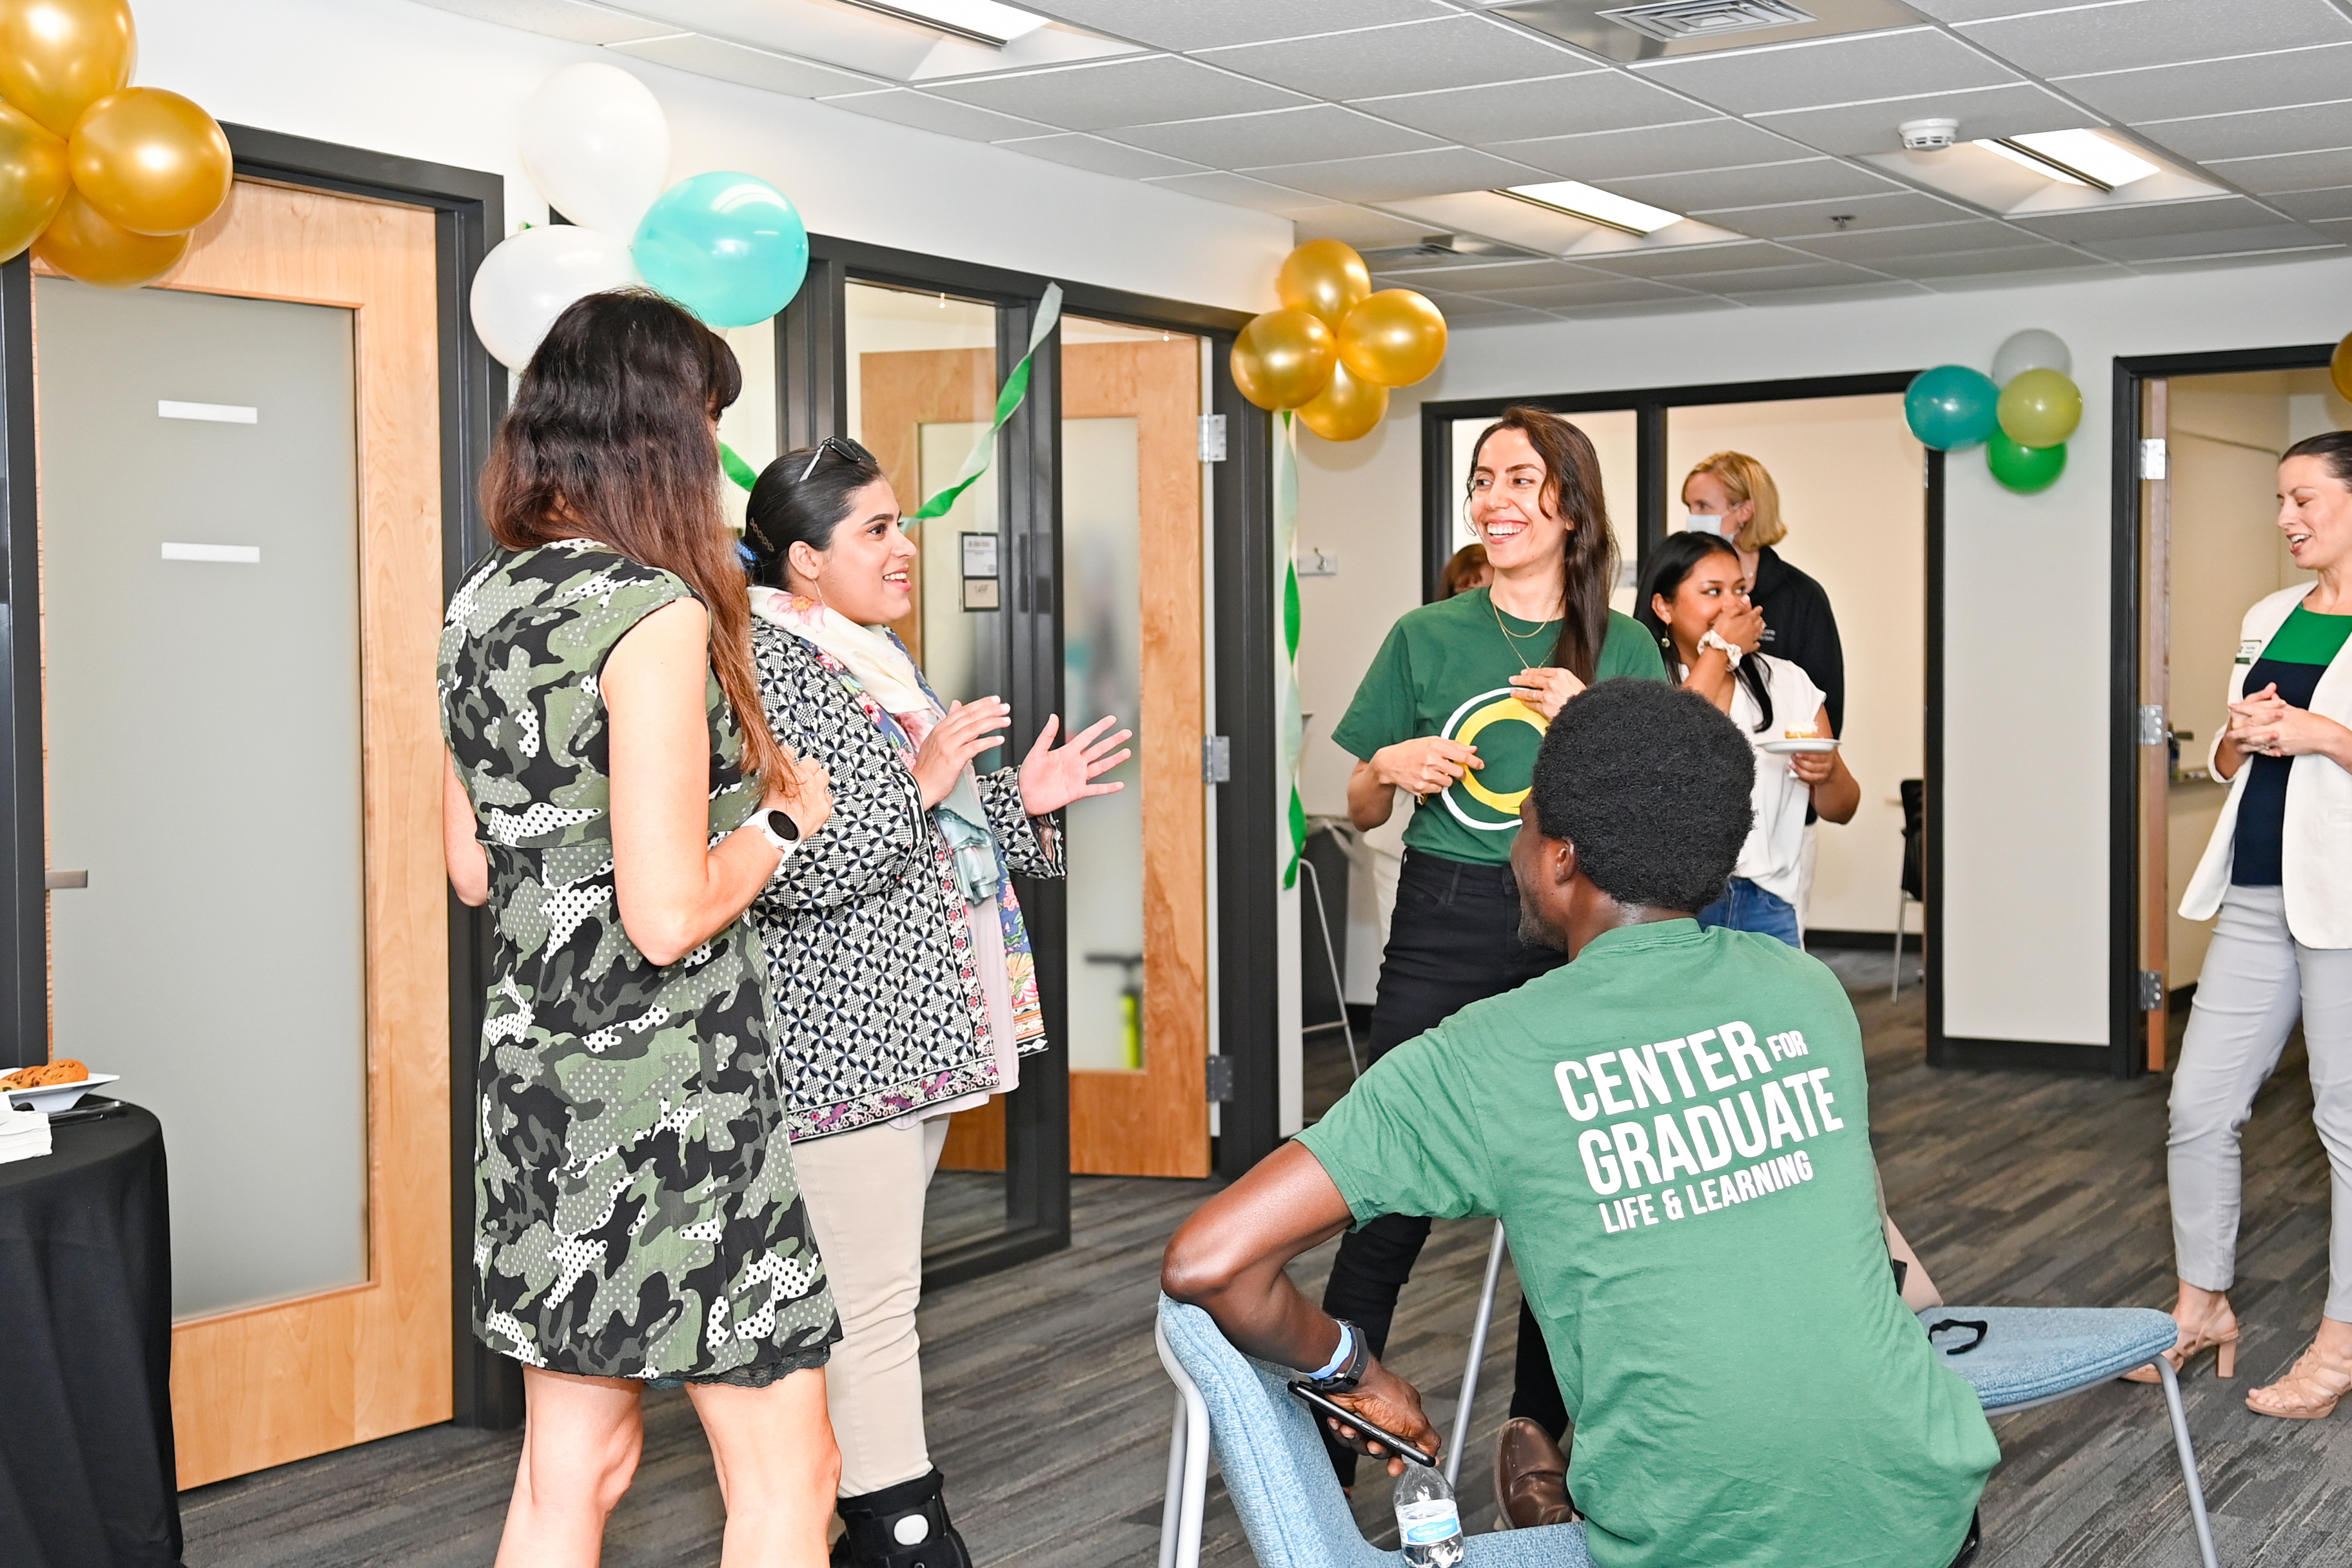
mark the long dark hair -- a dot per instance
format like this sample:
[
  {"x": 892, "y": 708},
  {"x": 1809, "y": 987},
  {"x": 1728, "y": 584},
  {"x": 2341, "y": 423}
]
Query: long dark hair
[
  {"x": 1676, "y": 557},
  {"x": 611, "y": 438},
  {"x": 1571, "y": 488},
  {"x": 800, "y": 499},
  {"x": 2334, "y": 446}
]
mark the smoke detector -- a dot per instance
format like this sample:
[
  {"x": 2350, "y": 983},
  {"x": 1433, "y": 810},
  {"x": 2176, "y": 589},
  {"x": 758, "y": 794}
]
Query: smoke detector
[{"x": 1928, "y": 135}]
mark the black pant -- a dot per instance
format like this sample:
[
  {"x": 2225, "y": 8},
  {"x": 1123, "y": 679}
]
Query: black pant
[{"x": 1453, "y": 940}]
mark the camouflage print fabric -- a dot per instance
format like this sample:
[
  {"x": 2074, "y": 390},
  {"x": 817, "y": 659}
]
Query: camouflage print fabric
[{"x": 635, "y": 1209}]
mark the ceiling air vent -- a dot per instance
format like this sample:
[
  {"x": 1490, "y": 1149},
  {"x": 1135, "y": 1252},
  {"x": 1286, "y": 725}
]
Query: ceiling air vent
[
  {"x": 1675, "y": 21},
  {"x": 1446, "y": 250}
]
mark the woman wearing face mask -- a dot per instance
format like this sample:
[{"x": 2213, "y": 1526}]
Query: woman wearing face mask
[
  {"x": 1732, "y": 496},
  {"x": 901, "y": 971},
  {"x": 1450, "y": 713},
  {"x": 1698, "y": 608},
  {"x": 2278, "y": 873}
]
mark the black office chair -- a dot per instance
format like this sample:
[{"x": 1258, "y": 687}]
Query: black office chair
[{"x": 1914, "y": 887}]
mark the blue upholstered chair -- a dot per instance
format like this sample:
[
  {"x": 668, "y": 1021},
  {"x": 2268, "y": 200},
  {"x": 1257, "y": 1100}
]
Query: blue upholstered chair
[
  {"x": 2019, "y": 1357},
  {"x": 1276, "y": 1469}
]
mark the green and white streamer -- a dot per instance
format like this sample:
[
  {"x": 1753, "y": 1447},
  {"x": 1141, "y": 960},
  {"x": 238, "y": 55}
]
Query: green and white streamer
[
  {"x": 1008, "y": 399},
  {"x": 1286, "y": 551}
]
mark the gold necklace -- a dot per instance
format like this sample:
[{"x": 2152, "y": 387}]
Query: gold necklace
[{"x": 1513, "y": 637}]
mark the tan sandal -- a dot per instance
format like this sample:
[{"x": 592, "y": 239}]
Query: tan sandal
[
  {"x": 2308, "y": 1392},
  {"x": 2217, "y": 1333}
]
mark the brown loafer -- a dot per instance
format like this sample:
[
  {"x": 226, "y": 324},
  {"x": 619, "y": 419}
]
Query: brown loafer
[{"x": 1531, "y": 1478}]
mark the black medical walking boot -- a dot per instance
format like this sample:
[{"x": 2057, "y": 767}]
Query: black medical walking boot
[{"x": 904, "y": 1526}]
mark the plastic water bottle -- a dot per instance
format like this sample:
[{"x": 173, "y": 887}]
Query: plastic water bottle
[{"x": 1429, "y": 1527}]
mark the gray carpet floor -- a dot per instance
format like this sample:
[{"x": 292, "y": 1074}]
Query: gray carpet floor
[{"x": 1049, "y": 1414}]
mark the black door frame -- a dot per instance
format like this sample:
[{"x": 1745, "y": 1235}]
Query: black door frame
[
  {"x": 468, "y": 208},
  {"x": 1650, "y": 406},
  {"x": 813, "y": 366},
  {"x": 2127, "y": 1027}
]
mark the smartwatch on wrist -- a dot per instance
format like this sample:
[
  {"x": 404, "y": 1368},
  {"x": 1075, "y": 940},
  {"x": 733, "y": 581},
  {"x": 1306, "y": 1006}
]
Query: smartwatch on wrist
[
  {"x": 1353, "y": 1355},
  {"x": 778, "y": 828}
]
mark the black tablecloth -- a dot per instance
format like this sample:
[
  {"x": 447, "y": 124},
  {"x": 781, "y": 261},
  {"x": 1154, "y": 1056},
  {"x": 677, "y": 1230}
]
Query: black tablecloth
[{"x": 86, "y": 1474}]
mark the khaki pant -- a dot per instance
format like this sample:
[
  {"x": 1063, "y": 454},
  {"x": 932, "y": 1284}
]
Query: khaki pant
[{"x": 865, "y": 1197}]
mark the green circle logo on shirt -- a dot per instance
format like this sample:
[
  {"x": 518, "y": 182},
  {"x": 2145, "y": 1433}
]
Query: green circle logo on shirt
[{"x": 1507, "y": 734}]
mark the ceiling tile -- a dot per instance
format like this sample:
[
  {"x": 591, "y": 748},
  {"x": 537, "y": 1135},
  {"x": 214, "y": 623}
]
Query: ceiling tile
[
  {"x": 1557, "y": 105},
  {"x": 1238, "y": 190},
  {"x": 1470, "y": 310},
  {"x": 2272, "y": 237},
  {"x": 1764, "y": 184},
  {"x": 2220, "y": 87},
  {"x": 2287, "y": 171},
  {"x": 1449, "y": 53},
  {"x": 1684, "y": 306},
  {"x": 573, "y": 19},
  {"x": 1397, "y": 176},
  {"x": 1978, "y": 282},
  {"x": 1855, "y": 127},
  {"x": 2337, "y": 230},
  {"x": 752, "y": 67},
  {"x": 1103, "y": 157},
  {"x": 1681, "y": 260},
  {"x": 1871, "y": 248},
  {"x": 2309, "y": 206},
  {"x": 2255, "y": 133},
  {"x": 1119, "y": 92},
  {"x": 1713, "y": 143},
  {"x": 2132, "y": 33},
  {"x": 1306, "y": 135},
  {"x": 2086, "y": 226},
  {"x": 1803, "y": 273},
  {"x": 1820, "y": 294},
  {"x": 1973, "y": 263},
  {"x": 1981, "y": 10},
  {"x": 1206, "y": 24},
  {"x": 1359, "y": 226},
  {"x": 1834, "y": 70},
  {"x": 1897, "y": 209},
  {"x": 924, "y": 113},
  {"x": 1607, "y": 291},
  {"x": 1489, "y": 278}
]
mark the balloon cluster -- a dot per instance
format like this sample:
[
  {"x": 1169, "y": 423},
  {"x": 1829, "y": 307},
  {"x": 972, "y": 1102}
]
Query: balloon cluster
[
  {"x": 103, "y": 180},
  {"x": 1335, "y": 348},
  {"x": 2022, "y": 413},
  {"x": 728, "y": 247}
]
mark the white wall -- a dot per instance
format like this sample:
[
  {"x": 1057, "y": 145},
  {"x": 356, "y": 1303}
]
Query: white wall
[
  {"x": 401, "y": 77},
  {"x": 2026, "y": 720}
]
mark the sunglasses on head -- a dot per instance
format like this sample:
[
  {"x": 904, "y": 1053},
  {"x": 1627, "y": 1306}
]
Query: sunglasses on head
[{"x": 847, "y": 450}]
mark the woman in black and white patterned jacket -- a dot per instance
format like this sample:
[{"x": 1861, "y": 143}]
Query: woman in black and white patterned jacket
[{"x": 900, "y": 970}]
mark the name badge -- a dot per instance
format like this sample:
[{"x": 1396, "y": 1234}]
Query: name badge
[{"x": 2249, "y": 650}]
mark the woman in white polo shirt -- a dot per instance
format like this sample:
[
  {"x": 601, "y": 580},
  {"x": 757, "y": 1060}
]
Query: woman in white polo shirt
[
  {"x": 2278, "y": 873},
  {"x": 1698, "y": 608}
]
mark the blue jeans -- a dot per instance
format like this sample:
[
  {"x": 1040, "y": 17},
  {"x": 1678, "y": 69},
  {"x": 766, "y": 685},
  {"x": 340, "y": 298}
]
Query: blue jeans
[{"x": 1747, "y": 907}]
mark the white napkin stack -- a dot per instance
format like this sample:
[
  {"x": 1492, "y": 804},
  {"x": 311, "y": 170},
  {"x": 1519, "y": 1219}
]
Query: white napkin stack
[{"x": 24, "y": 1135}]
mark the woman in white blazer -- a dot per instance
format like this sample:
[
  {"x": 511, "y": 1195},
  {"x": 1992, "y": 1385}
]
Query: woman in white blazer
[{"x": 2278, "y": 873}]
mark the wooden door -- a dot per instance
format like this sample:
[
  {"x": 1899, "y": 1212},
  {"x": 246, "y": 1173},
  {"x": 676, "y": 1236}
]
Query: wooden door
[
  {"x": 268, "y": 1383},
  {"x": 2153, "y": 758},
  {"x": 1152, "y": 1121}
]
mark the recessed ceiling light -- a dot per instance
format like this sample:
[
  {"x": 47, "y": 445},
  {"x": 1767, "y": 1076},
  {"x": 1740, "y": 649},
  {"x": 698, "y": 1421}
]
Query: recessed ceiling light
[
  {"x": 2072, "y": 158},
  {"x": 1580, "y": 200},
  {"x": 981, "y": 21}
]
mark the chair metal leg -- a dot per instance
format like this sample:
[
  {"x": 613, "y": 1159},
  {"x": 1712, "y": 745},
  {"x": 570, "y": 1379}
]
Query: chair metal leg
[
  {"x": 1331, "y": 956},
  {"x": 1900, "y": 900},
  {"x": 1477, "y": 1356},
  {"x": 2188, "y": 1460},
  {"x": 1188, "y": 1466}
]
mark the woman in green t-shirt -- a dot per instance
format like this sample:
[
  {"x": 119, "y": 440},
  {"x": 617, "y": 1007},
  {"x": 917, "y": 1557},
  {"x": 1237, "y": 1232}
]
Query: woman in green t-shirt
[{"x": 1451, "y": 711}]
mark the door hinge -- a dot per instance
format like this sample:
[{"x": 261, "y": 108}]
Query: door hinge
[
  {"x": 56, "y": 879},
  {"x": 2151, "y": 990},
  {"x": 1221, "y": 1080},
  {"x": 2152, "y": 457},
  {"x": 1216, "y": 759},
  {"x": 2151, "y": 724},
  {"x": 1213, "y": 437}
]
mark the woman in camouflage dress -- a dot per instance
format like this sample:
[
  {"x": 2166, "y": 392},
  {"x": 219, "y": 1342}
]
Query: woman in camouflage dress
[{"x": 616, "y": 797}]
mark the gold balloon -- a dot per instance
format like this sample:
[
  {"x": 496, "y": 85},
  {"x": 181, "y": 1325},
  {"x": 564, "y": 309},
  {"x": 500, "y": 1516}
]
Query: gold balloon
[
  {"x": 1346, "y": 408},
  {"x": 1324, "y": 277},
  {"x": 150, "y": 161},
  {"x": 59, "y": 57},
  {"x": 32, "y": 179},
  {"x": 1395, "y": 338},
  {"x": 1283, "y": 358},
  {"x": 81, "y": 244},
  {"x": 2339, "y": 368}
]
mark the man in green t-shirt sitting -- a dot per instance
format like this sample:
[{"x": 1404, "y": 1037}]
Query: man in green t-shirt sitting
[{"x": 1674, "y": 1128}]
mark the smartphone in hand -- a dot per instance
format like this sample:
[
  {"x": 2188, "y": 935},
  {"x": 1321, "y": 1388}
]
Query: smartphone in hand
[{"x": 1339, "y": 1412}]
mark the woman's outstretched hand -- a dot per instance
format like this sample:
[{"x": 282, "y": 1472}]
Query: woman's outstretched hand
[
  {"x": 1051, "y": 776},
  {"x": 969, "y": 729}
]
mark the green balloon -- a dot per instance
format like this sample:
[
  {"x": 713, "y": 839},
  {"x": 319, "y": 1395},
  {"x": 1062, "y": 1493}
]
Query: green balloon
[
  {"x": 2024, "y": 469},
  {"x": 2039, "y": 408}
]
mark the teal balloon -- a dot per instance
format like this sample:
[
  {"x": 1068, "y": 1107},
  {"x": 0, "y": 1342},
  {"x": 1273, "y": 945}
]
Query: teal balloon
[
  {"x": 2024, "y": 469},
  {"x": 1952, "y": 406},
  {"x": 728, "y": 247}
]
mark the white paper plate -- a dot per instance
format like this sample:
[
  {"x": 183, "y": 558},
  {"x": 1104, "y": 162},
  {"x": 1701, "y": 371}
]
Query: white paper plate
[
  {"x": 59, "y": 1096},
  {"x": 1787, "y": 747}
]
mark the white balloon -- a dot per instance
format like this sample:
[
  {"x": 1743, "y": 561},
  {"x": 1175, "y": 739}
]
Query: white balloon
[
  {"x": 597, "y": 145},
  {"x": 529, "y": 280},
  {"x": 2031, "y": 348}
]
